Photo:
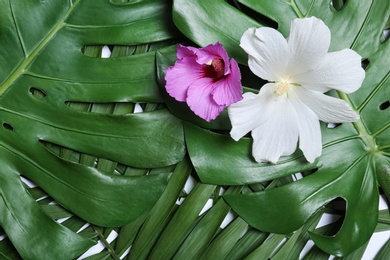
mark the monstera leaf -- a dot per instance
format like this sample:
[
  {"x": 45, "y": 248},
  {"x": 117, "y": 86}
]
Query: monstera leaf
[
  {"x": 43, "y": 69},
  {"x": 355, "y": 156}
]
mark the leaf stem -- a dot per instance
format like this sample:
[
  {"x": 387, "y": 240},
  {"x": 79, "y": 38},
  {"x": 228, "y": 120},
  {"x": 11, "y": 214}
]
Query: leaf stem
[
  {"x": 364, "y": 134},
  {"x": 30, "y": 58},
  {"x": 310, "y": 7},
  {"x": 296, "y": 9},
  {"x": 106, "y": 244}
]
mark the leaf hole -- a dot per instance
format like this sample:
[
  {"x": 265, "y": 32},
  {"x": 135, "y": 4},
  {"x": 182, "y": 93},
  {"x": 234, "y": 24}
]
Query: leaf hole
[
  {"x": 384, "y": 105},
  {"x": 339, "y": 204},
  {"x": 103, "y": 164},
  {"x": 337, "y": 5},
  {"x": 96, "y": 51},
  {"x": 386, "y": 32},
  {"x": 124, "y": 2},
  {"x": 8, "y": 127},
  {"x": 116, "y": 51},
  {"x": 28, "y": 182},
  {"x": 333, "y": 218},
  {"x": 365, "y": 63},
  {"x": 38, "y": 93},
  {"x": 333, "y": 125},
  {"x": 385, "y": 35},
  {"x": 113, "y": 108},
  {"x": 308, "y": 172}
]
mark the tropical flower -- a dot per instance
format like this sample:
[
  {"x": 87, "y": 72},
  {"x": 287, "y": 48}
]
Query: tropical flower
[
  {"x": 205, "y": 79},
  {"x": 288, "y": 108}
]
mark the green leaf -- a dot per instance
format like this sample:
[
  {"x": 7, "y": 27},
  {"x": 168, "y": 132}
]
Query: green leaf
[
  {"x": 355, "y": 156},
  {"x": 383, "y": 221},
  {"x": 384, "y": 251},
  {"x": 22, "y": 219},
  {"x": 160, "y": 214},
  {"x": 127, "y": 235},
  {"x": 174, "y": 234},
  {"x": 292, "y": 248},
  {"x": 316, "y": 254},
  {"x": 67, "y": 124},
  {"x": 206, "y": 22},
  {"x": 218, "y": 159},
  {"x": 220, "y": 247},
  {"x": 49, "y": 75},
  {"x": 202, "y": 234},
  {"x": 8, "y": 251},
  {"x": 268, "y": 248},
  {"x": 248, "y": 243},
  {"x": 343, "y": 35}
]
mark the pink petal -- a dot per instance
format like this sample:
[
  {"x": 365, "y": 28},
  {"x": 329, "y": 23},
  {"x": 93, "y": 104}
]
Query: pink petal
[
  {"x": 228, "y": 90},
  {"x": 180, "y": 76},
  {"x": 200, "y": 100},
  {"x": 185, "y": 51}
]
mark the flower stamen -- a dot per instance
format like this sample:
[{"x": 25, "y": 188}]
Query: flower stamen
[
  {"x": 282, "y": 87},
  {"x": 215, "y": 69}
]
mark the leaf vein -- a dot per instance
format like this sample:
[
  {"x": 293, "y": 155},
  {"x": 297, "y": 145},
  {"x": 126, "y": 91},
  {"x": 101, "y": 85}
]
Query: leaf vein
[
  {"x": 333, "y": 181},
  {"x": 17, "y": 29}
]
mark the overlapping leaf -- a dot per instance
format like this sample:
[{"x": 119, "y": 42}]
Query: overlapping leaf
[
  {"x": 354, "y": 156},
  {"x": 41, "y": 51}
]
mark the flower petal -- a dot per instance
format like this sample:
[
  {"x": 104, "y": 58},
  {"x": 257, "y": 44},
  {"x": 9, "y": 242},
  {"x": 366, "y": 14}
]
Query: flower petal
[
  {"x": 228, "y": 90},
  {"x": 327, "y": 108},
  {"x": 268, "y": 52},
  {"x": 309, "y": 129},
  {"x": 309, "y": 42},
  {"x": 252, "y": 111},
  {"x": 185, "y": 51},
  {"x": 200, "y": 101},
  {"x": 278, "y": 136},
  {"x": 180, "y": 76},
  {"x": 213, "y": 51},
  {"x": 340, "y": 70}
]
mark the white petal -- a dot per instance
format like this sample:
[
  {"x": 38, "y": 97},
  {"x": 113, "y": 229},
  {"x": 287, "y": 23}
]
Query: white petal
[
  {"x": 251, "y": 111},
  {"x": 268, "y": 52},
  {"x": 327, "y": 108},
  {"x": 278, "y": 136},
  {"x": 309, "y": 42},
  {"x": 309, "y": 129},
  {"x": 339, "y": 70}
]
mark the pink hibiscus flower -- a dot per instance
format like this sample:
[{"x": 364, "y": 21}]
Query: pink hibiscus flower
[{"x": 205, "y": 78}]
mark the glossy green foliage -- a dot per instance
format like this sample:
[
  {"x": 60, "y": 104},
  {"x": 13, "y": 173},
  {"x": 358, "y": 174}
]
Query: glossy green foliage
[
  {"x": 355, "y": 156},
  {"x": 16, "y": 210},
  {"x": 67, "y": 124},
  {"x": 46, "y": 72},
  {"x": 206, "y": 22}
]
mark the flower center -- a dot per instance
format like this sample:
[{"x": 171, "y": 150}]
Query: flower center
[
  {"x": 215, "y": 69},
  {"x": 282, "y": 87}
]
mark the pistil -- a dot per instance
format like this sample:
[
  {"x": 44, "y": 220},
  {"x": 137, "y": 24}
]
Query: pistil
[
  {"x": 215, "y": 69},
  {"x": 282, "y": 87}
]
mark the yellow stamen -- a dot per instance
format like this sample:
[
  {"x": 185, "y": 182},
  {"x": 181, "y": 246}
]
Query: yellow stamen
[{"x": 282, "y": 87}]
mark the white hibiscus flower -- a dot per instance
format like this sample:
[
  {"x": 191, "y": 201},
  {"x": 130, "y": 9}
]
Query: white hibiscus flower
[{"x": 289, "y": 108}]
